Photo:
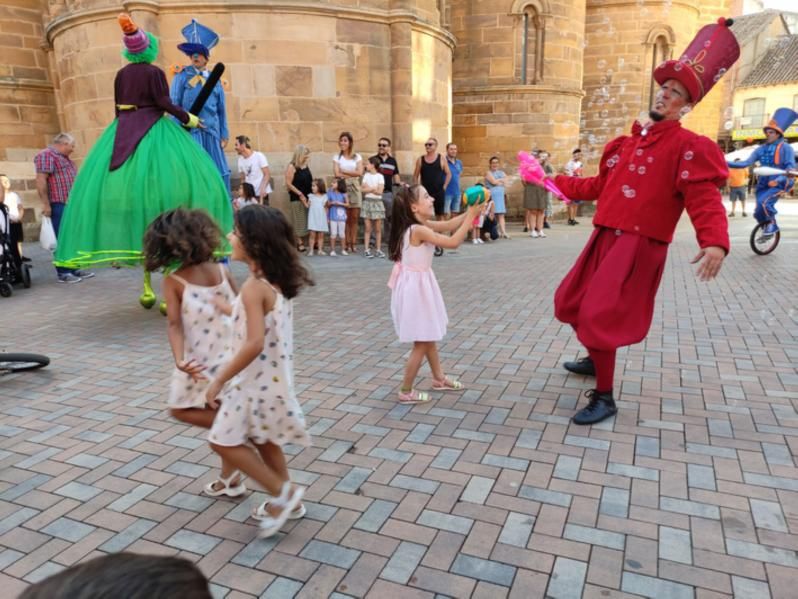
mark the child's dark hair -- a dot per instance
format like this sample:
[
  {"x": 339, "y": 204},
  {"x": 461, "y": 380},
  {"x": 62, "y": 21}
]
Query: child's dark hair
[
  {"x": 320, "y": 185},
  {"x": 128, "y": 575},
  {"x": 402, "y": 218},
  {"x": 180, "y": 237},
  {"x": 375, "y": 162},
  {"x": 340, "y": 185},
  {"x": 249, "y": 190},
  {"x": 268, "y": 239}
]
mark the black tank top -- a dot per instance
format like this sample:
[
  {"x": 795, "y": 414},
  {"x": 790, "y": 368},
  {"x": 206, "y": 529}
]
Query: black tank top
[
  {"x": 432, "y": 175},
  {"x": 303, "y": 181}
]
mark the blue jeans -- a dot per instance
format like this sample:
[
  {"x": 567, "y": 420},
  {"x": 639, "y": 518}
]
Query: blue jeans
[
  {"x": 451, "y": 204},
  {"x": 57, "y": 211}
]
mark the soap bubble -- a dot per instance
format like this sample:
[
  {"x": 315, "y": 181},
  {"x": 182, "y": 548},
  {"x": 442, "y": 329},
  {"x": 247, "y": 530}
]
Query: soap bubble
[
  {"x": 677, "y": 66},
  {"x": 630, "y": 193},
  {"x": 602, "y": 64},
  {"x": 604, "y": 114},
  {"x": 728, "y": 113}
]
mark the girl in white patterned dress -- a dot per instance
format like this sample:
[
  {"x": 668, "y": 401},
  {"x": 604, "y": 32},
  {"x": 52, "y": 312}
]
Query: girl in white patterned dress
[
  {"x": 256, "y": 387},
  {"x": 199, "y": 333}
]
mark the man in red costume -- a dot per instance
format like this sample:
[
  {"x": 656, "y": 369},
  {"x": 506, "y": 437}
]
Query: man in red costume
[{"x": 645, "y": 181}]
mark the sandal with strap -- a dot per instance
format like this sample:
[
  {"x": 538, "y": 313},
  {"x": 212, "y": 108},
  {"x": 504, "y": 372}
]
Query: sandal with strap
[
  {"x": 288, "y": 501},
  {"x": 413, "y": 397},
  {"x": 260, "y": 512},
  {"x": 226, "y": 489},
  {"x": 447, "y": 384}
]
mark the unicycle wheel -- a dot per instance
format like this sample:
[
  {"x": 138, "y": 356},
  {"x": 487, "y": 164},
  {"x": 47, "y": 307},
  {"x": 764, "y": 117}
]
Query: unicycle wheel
[{"x": 762, "y": 244}]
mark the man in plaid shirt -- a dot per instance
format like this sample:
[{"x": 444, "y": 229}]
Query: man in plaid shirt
[{"x": 55, "y": 174}]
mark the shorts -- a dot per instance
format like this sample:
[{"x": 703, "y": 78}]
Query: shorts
[
  {"x": 451, "y": 204},
  {"x": 337, "y": 228},
  {"x": 738, "y": 193},
  {"x": 439, "y": 203}
]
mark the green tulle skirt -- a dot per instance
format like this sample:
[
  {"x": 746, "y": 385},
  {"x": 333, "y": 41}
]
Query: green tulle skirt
[{"x": 108, "y": 211}]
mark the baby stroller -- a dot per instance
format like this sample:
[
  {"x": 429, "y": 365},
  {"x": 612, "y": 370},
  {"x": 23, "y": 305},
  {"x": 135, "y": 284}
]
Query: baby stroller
[{"x": 12, "y": 270}]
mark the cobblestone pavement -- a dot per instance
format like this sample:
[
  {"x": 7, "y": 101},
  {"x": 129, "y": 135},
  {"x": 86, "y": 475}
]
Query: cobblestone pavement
[{"x": 691, "y": 491}]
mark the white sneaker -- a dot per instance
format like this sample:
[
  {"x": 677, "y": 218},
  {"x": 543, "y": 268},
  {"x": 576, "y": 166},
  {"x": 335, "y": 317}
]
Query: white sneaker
[
  {"x": 475, "y": 241},
  {"x": 541, "y": 234},
  {"x": 344, "y": 253},
  {"x": 332, "y": 253},
  {"x": 480, "y": 241},
  {"x": 534, "y": 233},
  {"x": 310, "y": 253},
  {"x": 322, "y": 253}
]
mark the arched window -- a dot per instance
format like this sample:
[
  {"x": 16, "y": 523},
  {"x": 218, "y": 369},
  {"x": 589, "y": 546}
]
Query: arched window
[
  {"x": 659, "y": 47},
  {"x": 530, "y": 41}
]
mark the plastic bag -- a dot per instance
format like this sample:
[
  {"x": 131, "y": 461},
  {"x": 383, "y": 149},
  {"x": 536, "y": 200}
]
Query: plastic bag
[{"x": 47, "y": 237}]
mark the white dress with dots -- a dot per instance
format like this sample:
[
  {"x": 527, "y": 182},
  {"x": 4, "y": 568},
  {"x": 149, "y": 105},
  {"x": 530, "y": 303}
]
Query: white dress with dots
[
  {"x": 259, "y": 402},
  {"x": 208, "y": 336}
]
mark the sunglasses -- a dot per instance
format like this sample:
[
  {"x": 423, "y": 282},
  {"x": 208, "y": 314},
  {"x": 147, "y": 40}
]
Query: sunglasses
[
  {"x": 382, "y": 145},
  {"x": 428, "y": 145}
]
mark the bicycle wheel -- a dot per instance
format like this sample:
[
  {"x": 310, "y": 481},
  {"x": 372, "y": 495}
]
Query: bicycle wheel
[
  {"x": 20, "y": 362},
  {"x": 5, "y": 289},
  {"x": 763, "y": 245}
]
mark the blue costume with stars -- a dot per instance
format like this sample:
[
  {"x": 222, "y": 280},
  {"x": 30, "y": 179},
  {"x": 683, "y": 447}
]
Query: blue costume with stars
[
  {"x": 777, "y": 154},
  {"x": 185, "y": 88}
]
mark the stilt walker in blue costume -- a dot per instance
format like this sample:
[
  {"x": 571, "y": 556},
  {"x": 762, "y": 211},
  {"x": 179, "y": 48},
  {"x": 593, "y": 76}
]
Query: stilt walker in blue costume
[
  {"x": 186, "y": 86},
  {"x": 142, "y": 165},
  {"x": 775, "y": 153}
]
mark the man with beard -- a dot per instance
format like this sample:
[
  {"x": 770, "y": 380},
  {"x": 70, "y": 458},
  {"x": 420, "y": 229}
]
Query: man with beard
[{"x": 645, "y": 181}]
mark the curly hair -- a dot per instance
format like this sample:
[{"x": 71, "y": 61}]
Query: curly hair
[
  {"x": 180, "y": 237},
  {"x": 402, "y": 218},
  {"x": 268, "y": 240}
]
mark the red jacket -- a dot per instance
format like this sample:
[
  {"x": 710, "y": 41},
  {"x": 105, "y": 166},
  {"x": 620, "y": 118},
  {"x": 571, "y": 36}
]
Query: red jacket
[{"x": 646, "y": 181}]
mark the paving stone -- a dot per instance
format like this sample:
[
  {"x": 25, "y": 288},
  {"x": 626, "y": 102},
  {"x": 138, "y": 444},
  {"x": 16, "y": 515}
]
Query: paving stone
[
  {"x": 567, "y": 579},
  {"x": 442, "y": 521},
  {"x": 16, "y": 518},
  {"x": 67, "y": 529},
  {"x": 353, "y": 480},
  {"x": 517, "y": 529},
  {"x": 411, "y": 483},
  {"x": 767, "y": 514},
  {"x": 503, "y": 462},
  {"x": 46, "y": 569},
  {"x": 762, "y": 553},
  {"x": 483, "y": 569},
  {"x": 78, "y": 491},
  {"x": 647, "y": 446},
  {"x": 701, "y": 477},
  {"x": 186, "y": 501},
  {"x": 192, "y": 542},
  {"x": 648, "y": 586},
  {"x": 545, "y": 496},
  {"x": 446, "y": 459},
  {"x": 282, "y": 588},
  {"x": 529, "y": 438},
  {"x": 403, "y": 562},
  {"x": 376, "y": 515},
  {"x": 86, "y": 460},
  {"x": 567, "y": 467},
  {"x": 614, "y": 502},
  {"x": 633, "y": 471},
  {"x": 594, "y": 536},
  {"x": 186, "y": 469},
  {"x": 328, "y": 553},
  {"x": 675, "y": 545},
  {"x": 128, "y": 536},
  {"x": 477, "y": 490},
  {"x": 692, "y": 508}
]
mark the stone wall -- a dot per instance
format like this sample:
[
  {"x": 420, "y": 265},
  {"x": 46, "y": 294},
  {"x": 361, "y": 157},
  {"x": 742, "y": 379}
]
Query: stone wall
[
  {"x": 28, "y": 114},
  {"x": 495, "y": 113},
  {"x": 294, "y": 74}
]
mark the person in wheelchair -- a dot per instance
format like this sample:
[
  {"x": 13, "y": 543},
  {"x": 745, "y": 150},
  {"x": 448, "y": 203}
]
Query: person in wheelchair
[
  {"x": 10, "y": 260},
  {"x": 776, "y": 153}
]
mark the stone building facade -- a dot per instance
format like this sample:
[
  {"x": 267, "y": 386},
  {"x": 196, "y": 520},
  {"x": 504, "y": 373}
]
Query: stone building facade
[{"x": 495, "y": 76}]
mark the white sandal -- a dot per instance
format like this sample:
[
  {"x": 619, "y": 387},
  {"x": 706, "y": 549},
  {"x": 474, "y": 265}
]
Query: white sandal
[
  {"x": 227, "y": 489},
  {"x": 287, "y": 500},
  {"x": 261, "y": 514}
]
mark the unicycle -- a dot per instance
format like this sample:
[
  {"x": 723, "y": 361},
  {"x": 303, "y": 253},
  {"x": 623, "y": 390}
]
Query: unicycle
[
  {"x": 761, "y": 244},
  {"x": 10, "y": 363}
]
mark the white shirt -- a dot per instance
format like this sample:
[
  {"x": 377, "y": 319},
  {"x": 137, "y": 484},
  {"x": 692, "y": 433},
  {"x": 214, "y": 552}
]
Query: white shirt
[
  {"x": 374, "y": 180},
  {"x": 252, "y": 168},
  {"x": 13, "y": 202},
  {"x": 573, "y": 168},
  {"x": 347, "y": 164}
]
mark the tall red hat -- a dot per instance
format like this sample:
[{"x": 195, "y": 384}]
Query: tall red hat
[{"x": 713, "y": 50}]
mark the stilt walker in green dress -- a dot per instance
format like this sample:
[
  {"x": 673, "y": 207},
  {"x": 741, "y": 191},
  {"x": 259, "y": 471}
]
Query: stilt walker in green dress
[{"x": 141, "y": 166}]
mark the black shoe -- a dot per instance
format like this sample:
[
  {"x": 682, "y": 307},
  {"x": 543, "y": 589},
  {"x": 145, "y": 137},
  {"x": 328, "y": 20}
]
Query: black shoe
[
  {"x": 526, "y": 229},
  {"x": 582, "y": 366},
  {"x": 575, "y": 222},
  {"x": 546, "y": 224},
  {"x": 25, "y": 259},
  {"x": 600, "y": 407}
]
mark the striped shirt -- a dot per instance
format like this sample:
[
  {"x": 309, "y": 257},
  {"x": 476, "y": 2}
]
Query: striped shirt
[{"x": 60, "y": 171}]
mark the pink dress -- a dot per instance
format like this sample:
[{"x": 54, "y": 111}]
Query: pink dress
[{"x": 417, "y": 307}]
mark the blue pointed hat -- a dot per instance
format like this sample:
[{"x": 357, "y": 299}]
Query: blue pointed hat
[
  {"x": 782, "y": 119},
  {"x": 199, "y": 39}
]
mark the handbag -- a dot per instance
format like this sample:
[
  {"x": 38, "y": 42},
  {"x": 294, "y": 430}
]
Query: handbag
[{"x": 47, "y": 237}]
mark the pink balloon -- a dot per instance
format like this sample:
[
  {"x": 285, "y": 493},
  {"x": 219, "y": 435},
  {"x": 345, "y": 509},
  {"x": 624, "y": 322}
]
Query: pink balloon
[{"x": 529, "y": 170}]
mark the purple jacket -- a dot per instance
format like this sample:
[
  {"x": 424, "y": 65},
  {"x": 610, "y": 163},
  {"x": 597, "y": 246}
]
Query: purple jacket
[{"x": 144, "y": 86}]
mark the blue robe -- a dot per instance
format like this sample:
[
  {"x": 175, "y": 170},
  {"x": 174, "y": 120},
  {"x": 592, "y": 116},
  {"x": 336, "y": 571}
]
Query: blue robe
[
  {"x": 185, "y": 89},
  {"x": 768, "y": 187}
]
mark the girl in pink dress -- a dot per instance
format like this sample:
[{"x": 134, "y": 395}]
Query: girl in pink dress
[{"x": 417, "y": 308}]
